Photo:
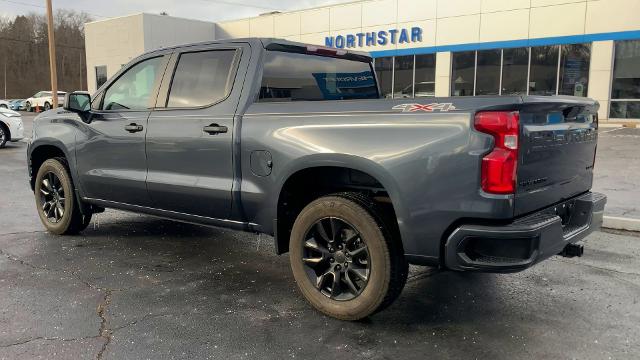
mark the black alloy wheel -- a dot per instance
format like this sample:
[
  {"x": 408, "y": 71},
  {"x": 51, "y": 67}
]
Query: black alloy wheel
[
  {"x": 336, "y": 259},
  {"x": 52, "y": 198}
]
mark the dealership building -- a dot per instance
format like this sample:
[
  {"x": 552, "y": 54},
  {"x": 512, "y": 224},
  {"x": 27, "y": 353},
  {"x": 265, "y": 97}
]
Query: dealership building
[{"x": 425, "y": 48}]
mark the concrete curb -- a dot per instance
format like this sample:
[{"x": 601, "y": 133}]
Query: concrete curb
[{"x": 620, "y": 223}]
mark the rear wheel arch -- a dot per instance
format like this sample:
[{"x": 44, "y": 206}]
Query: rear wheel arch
[
  {"x": 308, "y": 184},
  {"x": 42, "y": 153}
]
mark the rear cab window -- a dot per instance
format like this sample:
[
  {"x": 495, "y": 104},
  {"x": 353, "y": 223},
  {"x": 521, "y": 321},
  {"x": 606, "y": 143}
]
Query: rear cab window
[{"x": 295, "y": 73}]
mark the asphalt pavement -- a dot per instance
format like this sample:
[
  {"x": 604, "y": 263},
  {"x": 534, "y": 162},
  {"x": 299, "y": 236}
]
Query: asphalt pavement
[{"x": 136, "y": 287}]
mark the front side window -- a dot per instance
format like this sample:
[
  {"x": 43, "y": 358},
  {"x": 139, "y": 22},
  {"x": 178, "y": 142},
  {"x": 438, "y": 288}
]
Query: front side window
[
  {"x": 101, "y": 75},
  {"x": 201, "y": 78},
  {"x": 290, "y": 76},
  {"x": 625, "y": 89},
  {"x": 132, "y": 90}
]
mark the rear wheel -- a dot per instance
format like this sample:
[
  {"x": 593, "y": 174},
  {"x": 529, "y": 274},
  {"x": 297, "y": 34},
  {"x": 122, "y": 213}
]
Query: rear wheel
[
  {"x": 55, "y": 199},
  {"x": 3, "y": 106},
  {"x": 345, "y": 259}
]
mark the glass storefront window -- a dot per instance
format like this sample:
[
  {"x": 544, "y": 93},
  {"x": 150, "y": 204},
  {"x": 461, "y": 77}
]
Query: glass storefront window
[
  {"x": 403, "y": 77},
  {"x": 425, "y": 75},
  {"x": 544, "y": 70},
  {"x": 463, "y": 73},
  {"x": 515, "y": 66},
  {"x": 384, "y": 71},
  {"x": 626, "y": 81},
  {"x": 574, "y": 69},
  {"x": 488, "y": 73}
]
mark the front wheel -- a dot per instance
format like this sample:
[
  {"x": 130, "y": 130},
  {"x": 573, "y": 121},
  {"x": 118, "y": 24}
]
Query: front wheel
[
  {"x": 4, "y": 136},
  {"x": 345, "y": 259},
  {"x": 3, "y": 106},
  {"x": 27, "y": 107},
  {"x": 47, "y": 106},
  {"x": 55, "y": 199}
]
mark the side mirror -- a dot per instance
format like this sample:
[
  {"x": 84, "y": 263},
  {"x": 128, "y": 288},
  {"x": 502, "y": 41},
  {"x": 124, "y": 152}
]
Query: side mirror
[{"x": 77, "y": 101}]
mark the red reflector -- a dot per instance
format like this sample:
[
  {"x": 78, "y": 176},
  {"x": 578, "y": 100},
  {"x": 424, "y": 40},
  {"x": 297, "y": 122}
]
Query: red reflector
[{"x": 499, "y": 167}]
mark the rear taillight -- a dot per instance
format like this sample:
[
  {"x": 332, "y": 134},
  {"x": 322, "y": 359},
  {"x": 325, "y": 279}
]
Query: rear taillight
[{"x": 500, "y": 165}]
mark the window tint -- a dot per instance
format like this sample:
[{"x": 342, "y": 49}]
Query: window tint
[
  {"x": 296, "y": 77},
  {"x": 462, "y": 77},
  {"x": 515, "y": 66},
  {"x": 101, "y": 75},
  {"x": 488, "y": 73},
  {"x": 384, "y": 70},
  {"x": 544, "y": 70},
  {"x": 133, "y": 89},
  {"x": 201, "y": 78}
]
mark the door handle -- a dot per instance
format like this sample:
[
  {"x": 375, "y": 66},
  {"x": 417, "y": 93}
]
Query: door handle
[
  {"x": 215, "y": 129},
  {"x": 133, "y": 127}
]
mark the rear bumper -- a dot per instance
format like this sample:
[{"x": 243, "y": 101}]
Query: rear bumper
[{"x": 526, "y": 241}]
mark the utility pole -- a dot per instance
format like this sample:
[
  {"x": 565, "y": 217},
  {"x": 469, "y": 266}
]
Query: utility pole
[{"x": 52, "y": 56}]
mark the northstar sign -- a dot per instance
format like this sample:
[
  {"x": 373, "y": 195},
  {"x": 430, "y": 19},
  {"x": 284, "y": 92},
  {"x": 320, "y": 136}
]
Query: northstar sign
[{"x": 373, "y": 38}]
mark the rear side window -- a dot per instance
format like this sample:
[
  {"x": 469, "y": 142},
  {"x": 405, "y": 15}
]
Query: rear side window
[
  {"x": 299, "y": 77},
  {"x": 201, "y": 78}
]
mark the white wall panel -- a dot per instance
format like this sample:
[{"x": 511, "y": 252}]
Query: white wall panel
[
  {"x": 447, "y": 8},
  {"x": 458, "y": 30},
  {"x": 315, "y": 38},
  {"x": 314, "y": 21},
  {"x": 503, "y": 5},
  {"x": 538, "y": 3},
  {"x": 261, "y": 26},
  {"x": 613, "y": 15},
  {"x": 379, "y": 12},
  {"x": 233, "y": 29},
  {"x": 346, "y": 16},
  {"x": 504, "y": 25},
  {"x": 287, "y": 24},
  {"x": 559, "y": 20},
  {"x": 416, "y": 10}
]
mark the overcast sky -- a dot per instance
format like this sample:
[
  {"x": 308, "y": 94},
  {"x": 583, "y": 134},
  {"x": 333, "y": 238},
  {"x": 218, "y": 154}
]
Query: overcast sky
[{"x": 209, "y": 10}]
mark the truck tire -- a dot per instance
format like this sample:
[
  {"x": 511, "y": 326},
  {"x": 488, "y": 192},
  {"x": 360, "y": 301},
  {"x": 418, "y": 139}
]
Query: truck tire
[
  {"x": 345, "y": 260},
  {"x": 56, "y": 199}
]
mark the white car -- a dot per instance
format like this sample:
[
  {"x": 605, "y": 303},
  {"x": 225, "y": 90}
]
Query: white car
[
  {"x": 44, "y": 100},
  {"x": 11, "y": 127},
  {"x": 4, "y": 104}
]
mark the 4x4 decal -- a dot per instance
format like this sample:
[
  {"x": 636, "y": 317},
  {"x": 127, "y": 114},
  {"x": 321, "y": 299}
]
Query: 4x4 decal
[{"x": 441, "y": 107}]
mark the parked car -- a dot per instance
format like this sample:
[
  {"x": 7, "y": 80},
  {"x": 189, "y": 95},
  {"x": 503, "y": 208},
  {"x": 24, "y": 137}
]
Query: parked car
[
  {"x": 17, "y": 105},
  {"x": 11, "y": 127},
  {"x": 4, "y": 104},
  {"x": 258, "y": 135},
  {"x": 44, "y": 100}
]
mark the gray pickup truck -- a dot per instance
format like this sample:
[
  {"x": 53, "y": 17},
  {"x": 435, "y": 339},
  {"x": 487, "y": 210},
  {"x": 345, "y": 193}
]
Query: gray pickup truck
[{"x": 293, "y": 140}]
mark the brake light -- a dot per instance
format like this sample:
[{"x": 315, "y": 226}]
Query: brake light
[{"x": 500, "y": 165}]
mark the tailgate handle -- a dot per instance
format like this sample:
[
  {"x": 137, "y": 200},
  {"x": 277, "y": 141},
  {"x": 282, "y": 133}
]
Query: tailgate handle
[{"x": 215, "y": 129}]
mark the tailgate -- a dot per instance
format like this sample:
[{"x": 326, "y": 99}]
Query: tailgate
[{"x": 557, "y": 150}]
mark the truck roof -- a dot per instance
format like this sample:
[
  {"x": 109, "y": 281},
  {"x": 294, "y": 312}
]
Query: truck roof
[{"x": 261, "y": 41}]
